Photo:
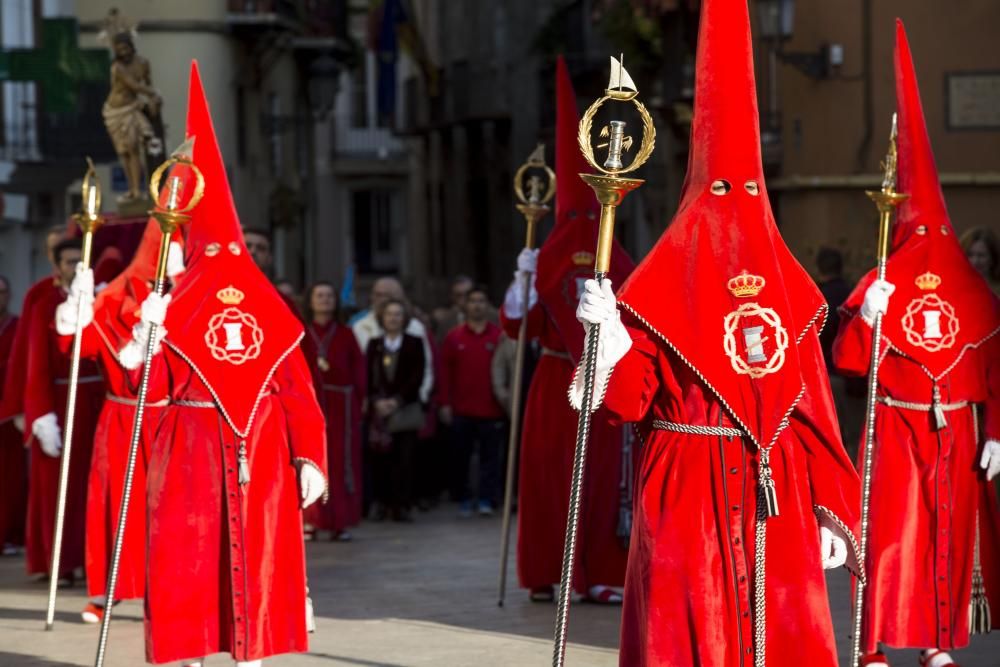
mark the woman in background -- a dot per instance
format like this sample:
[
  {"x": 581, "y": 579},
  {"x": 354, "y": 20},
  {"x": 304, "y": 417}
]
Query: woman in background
[{"x": 983, "y": 251}]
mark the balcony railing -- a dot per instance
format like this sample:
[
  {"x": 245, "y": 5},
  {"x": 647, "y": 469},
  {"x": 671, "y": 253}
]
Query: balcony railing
[{"x": 367, "y": 141}]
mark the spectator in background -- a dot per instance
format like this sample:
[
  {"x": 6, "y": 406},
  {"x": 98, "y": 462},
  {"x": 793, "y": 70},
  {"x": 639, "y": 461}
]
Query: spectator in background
[
  {"x": 395, "y": 364},
  {"x": 983, "y": 251},
  {"x": 286, "y": 288},
  {"x": 258, "y": 242},
  {"x": 338, "y": 370},
  {"x": 446, "y": 319},
  {"x": 367, "y": 326},
  {"x": 835, "y": 290},
  {"x": 468, "y": 403},
  {"x": 849, "y": 394}
]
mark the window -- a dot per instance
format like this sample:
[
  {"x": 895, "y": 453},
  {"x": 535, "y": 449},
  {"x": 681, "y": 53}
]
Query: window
[{"x": 375, "y": 217}]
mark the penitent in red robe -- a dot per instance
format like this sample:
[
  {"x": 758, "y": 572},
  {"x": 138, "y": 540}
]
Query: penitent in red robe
[
  {"x": 340, "y": 387},
  {"x": 225, "y": 555},
  {"x": 13, "y": 458},
  {"x": 47, "y": 389},
  {"x": 939, "y": 366}
]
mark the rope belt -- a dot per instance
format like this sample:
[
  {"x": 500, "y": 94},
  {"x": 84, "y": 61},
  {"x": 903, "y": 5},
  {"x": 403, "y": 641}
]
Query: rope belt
[
  {"x": 194, "y": 404},
  {"x": 87, "y": 379},
  {"x": 132, "y": 402},
  {"x": 692, "y": 429},
  {"x": 936, "y": 407},
  {"x": 555, "y": 353},
  {"x": 343, "y": 388}
]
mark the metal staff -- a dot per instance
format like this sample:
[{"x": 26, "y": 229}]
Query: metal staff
[
  {"x": 534, "y": 207},
  {"x": 886, "y": 200},
  {"x": 90, "y": 220},
  {"x": 610, "y": 188},
  {"x": 170, "y": 218}
]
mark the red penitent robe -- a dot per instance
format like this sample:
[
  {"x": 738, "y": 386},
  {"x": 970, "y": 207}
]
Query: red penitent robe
[
  {"x": 340, "y": 387},
  {"x": 693, "y": 564},
  {"x": 927, "y": 492},
  {"x": 548, "y": 440},
  {"x": 16, "y": 375},
  {"x": 47, "y": 389},
  {"x": 109, "y": 461},
  {"x": 215, "y": 548},
  {"x": 13, "y": 458}
]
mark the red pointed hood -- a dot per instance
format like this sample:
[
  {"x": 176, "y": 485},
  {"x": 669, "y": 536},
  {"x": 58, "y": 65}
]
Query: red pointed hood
[
  {"x": 740, "y": 333},
  {"x": 566, "y": 259},
  {"x": 226, "y": 319},
  {"x": 941, "y": 306}
]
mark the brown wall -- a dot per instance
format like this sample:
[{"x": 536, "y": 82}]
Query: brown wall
[{"x": 823, "y": 122}]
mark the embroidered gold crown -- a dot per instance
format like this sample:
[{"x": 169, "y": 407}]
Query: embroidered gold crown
[
  {"x": 928, "y": 281},
  {"x": 583, "y": 258},
  {"x": 746, "y": 284},
  {"x": 229, "y": 295}
]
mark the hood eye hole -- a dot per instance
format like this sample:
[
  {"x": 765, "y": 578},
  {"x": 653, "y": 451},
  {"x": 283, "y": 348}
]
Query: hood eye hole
[
  {"x": 752, "y": 188},
  {"x": 944, "y": 229},
  {"x": 921, "y": 229},
  {"x": 721, "y": 187}
]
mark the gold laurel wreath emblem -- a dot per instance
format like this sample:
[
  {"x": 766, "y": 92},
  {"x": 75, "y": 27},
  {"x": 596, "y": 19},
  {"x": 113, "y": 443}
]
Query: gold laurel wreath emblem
[
  {"x": 914, "y": 337},
  {"x": 235, "y": 357},
  {"x": 199, "y": 188},
  {"x": 770, "y": 317},
  {"x": 550, "y": 189},
  {"x": 645, "y": 148}
]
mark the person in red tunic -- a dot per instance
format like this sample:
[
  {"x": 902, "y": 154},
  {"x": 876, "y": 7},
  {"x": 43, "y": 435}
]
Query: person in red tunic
[
  {"x": 744, "y": 490},
  {"x": 238, "y": 452},
  {"x": 926, "y": 558},
  {"x": 549, "y": 428},
  {"x": 107, "y": 338},
  {"x": 45, "y": 399},
  {"x": 338, "y": 369},
  {"x": 13, "y": 461}
]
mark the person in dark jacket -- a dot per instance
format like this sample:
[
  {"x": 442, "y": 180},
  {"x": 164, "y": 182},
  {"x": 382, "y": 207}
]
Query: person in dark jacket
[{"x": 395, "y": 362}]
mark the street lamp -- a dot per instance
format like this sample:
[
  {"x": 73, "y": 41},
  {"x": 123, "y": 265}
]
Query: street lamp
[
  {"x": 775, "y": 19},
  {"x": 324, "y": 84}
]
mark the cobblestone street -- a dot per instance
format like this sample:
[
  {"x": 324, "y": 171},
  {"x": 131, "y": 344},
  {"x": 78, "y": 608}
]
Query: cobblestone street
[{"x": 400, "y": 595}]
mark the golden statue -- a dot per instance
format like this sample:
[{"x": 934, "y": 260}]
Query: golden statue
[{"x": 132, "y": 110}]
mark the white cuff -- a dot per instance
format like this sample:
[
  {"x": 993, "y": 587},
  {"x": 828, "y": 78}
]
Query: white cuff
[{"x": 513, "y": 301}]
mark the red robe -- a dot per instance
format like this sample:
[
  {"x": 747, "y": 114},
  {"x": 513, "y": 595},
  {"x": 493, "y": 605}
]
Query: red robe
[
  {"x": 215, "y": 547},
  {"x": 548, "y": 442},
  {"x": 689, "y": 595},
  {"x": 15, "y": 378},
  {"x": 47, "y": 389},
  {"x": 926, "y": 490},
  {"x": 340, "y": 390},
  {"x": 109, "y": 461},
  {"x": 13, "y": 458}
]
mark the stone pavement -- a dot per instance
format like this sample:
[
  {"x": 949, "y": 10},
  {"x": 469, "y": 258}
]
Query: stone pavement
[{"x": 409, "y": 595}]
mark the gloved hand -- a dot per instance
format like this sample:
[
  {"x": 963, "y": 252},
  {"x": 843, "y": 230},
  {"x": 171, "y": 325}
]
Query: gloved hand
[
  {"x": 527, "y": 260},
  {"x": 152, "y": 311},
  {"x": 599, "y": 306},
  {"x": 19, "y": 423},
  {"x": 175, "y": 260},
  {"x": 513, "y": 302},
  {"x": 832, "y": 548},
  {"x": 990, "y": 461},
  {"x": 312, "y": 484},
  {"x": 876, "y": 300},
  {"x": 46, "y": 429},
  {"x": 80, "y": 299}
]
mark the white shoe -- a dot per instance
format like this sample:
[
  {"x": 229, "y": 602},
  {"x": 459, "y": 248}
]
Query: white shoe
[
  {"x": 252, "y": 663},
  {"x": 196, "y": 663}
]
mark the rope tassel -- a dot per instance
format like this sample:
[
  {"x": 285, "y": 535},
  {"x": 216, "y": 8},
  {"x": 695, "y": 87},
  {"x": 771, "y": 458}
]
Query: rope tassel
[
  {"x": 244, "y": 477},
  {"x": 767, "y": 487},
  {"x": 940, "y": 421},
  {"x": 979, "y": 607}
]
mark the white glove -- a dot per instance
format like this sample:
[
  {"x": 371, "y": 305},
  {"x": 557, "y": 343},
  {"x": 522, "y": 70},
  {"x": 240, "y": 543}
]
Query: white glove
[
  {"x": 312, "y": 484},
  {"x": 832, "y": 548},
  {"x": 876, "y": 300},
  {"x": 80, "y": 299},
  {"x": 154, "y": 308},
  {"x": 527, "y": 260},
  {"x": 46, "y": 429},
  {"x": 599, "y": 306},
  {"x": 990, "y": 461},
  {"x": 19, "y": 423},
  {"x": 175, "y": 260}
]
